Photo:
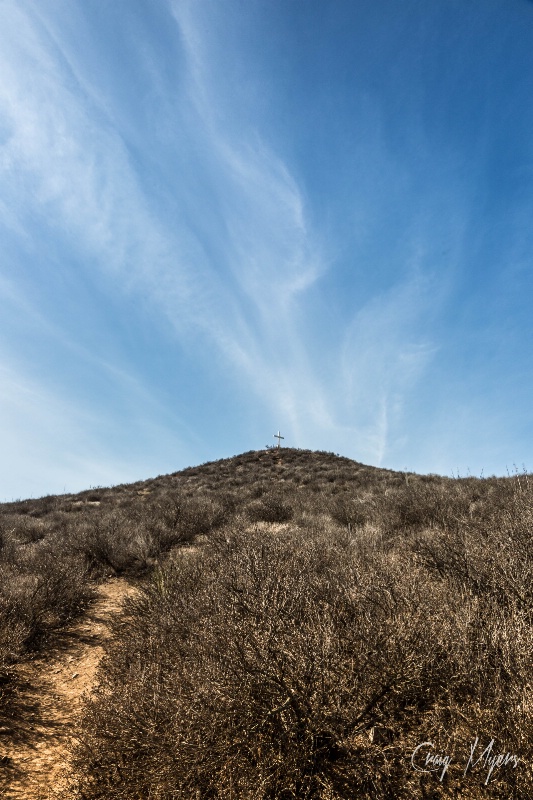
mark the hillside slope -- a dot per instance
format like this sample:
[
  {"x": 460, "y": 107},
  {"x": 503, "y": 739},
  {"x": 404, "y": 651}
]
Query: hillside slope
[{"x": 330, "y": 618}]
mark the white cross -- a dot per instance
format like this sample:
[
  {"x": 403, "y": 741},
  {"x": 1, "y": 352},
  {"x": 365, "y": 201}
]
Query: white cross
[{"x": 279, "y": 437}]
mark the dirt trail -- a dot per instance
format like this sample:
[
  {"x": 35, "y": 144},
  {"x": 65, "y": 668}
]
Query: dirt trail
[{"x": 52, "y": 690}]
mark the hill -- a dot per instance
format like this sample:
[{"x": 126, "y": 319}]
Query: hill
[{"x": 301, "y": 623}]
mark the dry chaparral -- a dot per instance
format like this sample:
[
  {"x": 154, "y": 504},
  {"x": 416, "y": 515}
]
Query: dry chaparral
[{"x": 281, "y": 624}]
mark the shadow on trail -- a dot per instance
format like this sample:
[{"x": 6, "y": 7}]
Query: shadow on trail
[{"x": 31, "y": 718}]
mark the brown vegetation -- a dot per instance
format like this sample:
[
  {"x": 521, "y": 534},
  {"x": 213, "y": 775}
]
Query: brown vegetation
[{"x": 335, "y": 617}]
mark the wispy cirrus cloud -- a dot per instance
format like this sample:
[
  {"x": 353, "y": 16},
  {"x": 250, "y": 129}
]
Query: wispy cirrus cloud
[
  {"x": 384, "y": 355},
  {"x": 37, "y": 423},
  {"x": 54, "y": 443},
  {"x": 193, "y": 222}
]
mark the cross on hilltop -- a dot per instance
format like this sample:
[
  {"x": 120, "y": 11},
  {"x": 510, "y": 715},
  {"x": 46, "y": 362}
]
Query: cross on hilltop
[{"x": 279, "y": 437}]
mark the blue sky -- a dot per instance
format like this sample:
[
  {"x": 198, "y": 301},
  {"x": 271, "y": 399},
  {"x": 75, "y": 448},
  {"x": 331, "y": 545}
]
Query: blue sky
[{"x": 223, "y": 217}]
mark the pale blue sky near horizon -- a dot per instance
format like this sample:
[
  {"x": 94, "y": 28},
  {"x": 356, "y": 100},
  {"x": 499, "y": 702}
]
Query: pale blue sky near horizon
[{"x": 223, "y": 217}]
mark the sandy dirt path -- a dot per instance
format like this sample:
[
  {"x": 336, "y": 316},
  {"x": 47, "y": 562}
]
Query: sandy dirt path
[{"x": 51, "y": 693}]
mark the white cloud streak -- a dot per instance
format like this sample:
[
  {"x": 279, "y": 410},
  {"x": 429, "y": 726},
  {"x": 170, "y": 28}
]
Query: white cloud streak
[
  {"x": 70, "y": 445},
  {"x": 383, "y": 357},
  {"x": 65, "y": 159}
]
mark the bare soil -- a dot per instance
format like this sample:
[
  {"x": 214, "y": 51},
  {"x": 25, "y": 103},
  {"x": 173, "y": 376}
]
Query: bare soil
[{"x": 51, "y": 688}]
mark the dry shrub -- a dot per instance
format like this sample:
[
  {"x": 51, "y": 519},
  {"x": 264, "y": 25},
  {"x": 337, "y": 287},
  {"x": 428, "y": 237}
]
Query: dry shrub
[
  {"x": 490, "y": 555},
  {"x": 39, "y": 594},
  {"x": 130, "y": 538},
  {"x": 351, "y": 511},
  {"x": 272, "y": 507},
  {"x": 299, "y": 667},
  {"x": 107, "y": 542},
  {"x": 306, "y": 664}
]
